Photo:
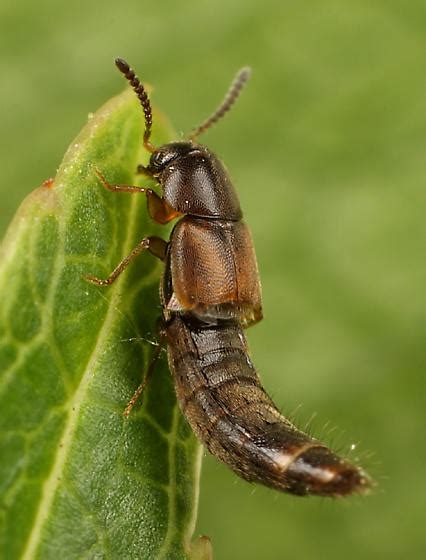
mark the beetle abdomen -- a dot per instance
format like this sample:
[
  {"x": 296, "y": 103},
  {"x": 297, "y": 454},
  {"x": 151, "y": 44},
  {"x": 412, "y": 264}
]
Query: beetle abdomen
[{"x": 222, "y": 398}]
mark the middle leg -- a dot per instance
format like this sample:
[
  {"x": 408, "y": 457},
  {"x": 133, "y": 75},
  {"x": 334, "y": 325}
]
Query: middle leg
[{"x": 155, "y": 245}]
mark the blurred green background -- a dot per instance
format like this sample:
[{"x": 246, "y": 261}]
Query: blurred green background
[{"x": 327, "y": 149}]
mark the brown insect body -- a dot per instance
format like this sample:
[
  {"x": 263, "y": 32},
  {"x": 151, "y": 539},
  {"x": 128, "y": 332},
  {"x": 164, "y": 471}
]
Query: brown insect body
[
  {"x": 209, "y": 293},
  {"x": 211, "y": 290}
]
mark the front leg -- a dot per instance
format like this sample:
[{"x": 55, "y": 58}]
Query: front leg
[{"x": 158, "y": 208}]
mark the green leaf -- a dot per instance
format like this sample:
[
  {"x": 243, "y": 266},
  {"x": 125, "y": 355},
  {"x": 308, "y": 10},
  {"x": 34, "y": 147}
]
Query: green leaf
[{"x": 77, "y": 480}]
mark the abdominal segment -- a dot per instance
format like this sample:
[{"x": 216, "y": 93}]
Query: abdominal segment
[{"x": 222, "y": 398}]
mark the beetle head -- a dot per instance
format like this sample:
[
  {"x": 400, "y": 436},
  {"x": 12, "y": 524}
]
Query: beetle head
[{"x": 165, "y": 155}]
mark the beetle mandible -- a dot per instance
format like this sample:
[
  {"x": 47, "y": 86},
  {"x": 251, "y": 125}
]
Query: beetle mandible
[{"x": 210, "y": 292}]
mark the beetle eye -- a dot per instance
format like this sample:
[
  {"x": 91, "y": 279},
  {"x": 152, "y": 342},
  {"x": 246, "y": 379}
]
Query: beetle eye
[{"x": 161, "y": 158}]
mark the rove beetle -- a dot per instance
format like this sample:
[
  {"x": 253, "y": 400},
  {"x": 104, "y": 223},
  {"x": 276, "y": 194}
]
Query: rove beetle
[{"x": 210, "y": 292}]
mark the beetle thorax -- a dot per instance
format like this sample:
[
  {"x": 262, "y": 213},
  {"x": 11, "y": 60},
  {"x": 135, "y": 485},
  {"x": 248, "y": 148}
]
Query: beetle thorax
[{"x": 194, "y": 181}]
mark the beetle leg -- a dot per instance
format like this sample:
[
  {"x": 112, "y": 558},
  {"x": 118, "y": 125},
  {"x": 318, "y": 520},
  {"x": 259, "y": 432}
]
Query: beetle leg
[
  {"x": 155, "y": 245},
  {"x": 158, "y": 208},
  {"x": 139, "y": 391},
  {"x": 120, "y": 188}
]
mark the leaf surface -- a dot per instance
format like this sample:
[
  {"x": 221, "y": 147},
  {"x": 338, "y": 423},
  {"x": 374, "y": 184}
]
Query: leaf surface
[{"x": 77, "y": 480}]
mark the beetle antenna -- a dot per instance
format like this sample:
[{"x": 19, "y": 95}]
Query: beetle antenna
[
  {"x": 143, "y": 98},
  {"x": 234, "y": 91}
]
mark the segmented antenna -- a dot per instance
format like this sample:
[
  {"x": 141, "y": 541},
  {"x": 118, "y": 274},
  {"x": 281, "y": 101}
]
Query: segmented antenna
[
  {"x": 233, "y": 93},
  {"x": 143, "y": 98}
]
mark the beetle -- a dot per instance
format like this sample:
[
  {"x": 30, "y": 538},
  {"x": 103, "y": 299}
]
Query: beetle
[{"x": 210, "y": 292}]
